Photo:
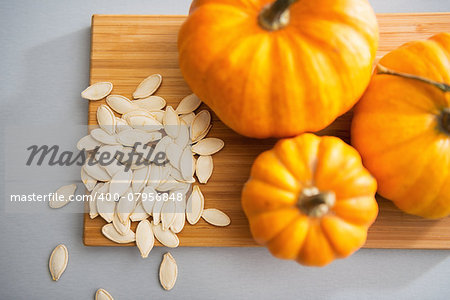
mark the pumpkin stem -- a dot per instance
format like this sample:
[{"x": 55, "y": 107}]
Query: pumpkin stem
[
  {"x": 276, "y": 15},
  {"x": 440, "y": 85},
  {"x": 445, "y": 120},
  {"x": 314, "y": 203}
]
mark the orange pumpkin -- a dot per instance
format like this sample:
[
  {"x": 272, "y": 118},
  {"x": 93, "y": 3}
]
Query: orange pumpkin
[
  {"x": 278, "y": 69},
  {"x": 310, "y": 199},
  {"x": 401, "y": 127}
]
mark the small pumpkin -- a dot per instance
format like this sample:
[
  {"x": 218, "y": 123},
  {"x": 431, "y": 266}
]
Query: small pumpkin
[
  {"x": 401, "y": 127},
  {"x": 278, "y": 69},
  {"x": 310, "y": 199}
]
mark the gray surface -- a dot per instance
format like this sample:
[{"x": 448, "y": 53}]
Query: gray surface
[{"x": 44, "y": 65}]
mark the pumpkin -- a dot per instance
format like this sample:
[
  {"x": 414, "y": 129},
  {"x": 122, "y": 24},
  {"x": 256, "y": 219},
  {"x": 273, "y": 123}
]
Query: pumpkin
[
  {"x": 310, "y": 199},
  {"x": 401, "y": 127},
  {"x": 278, "y": 69}
]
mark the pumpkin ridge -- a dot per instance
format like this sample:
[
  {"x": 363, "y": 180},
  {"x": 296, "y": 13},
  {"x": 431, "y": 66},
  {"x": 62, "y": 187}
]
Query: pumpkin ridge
[
  {"x": 334, "y": 71},
  {"x": 394, "y": 147},
  {"x": 422, "y": 204},
  {"x": 355, "y": 222},
  {"x": 415, "y": 180},
  {"x": 288, "y": 168},
  {"x": 328, "y": 239},
  {"x": 299, "y": 141},
  {"x": 431, "y": 203},
  {"x": 248, "y": 79},
  {"x": 295, "y": 219},
  {"x": 222, "y": 54}
]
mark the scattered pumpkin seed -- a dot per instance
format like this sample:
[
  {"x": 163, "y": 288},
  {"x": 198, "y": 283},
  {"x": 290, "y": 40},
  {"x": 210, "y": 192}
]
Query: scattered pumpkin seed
[
  {"x": 216, "y": 217},
  {"x": 208, "y": 146},
  {"x": 62, "y": 196},
  {"x": 97, "y": 91},
  {"x": 165, "y": 237},
  {"x": 168, "y": 272},
  {"x": 144, "y": 238},
  {"x": 120, "y": 104},
  {"x": 111, "y": 233},
  {"x": 194, "y": 206},
  {"x": 148, "y": 86},
  {"x": 204, "y": 168},
  {"x": 188, "y": 104},
  {"x": 200, "y": 124},
  {"x": 106, "y": 119},
  {"x": 102, "y": 294},
  {"x": 58, "y": 261},
  {"x": 151, "y": 103}
]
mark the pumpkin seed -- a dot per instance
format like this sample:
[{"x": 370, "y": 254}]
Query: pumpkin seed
[
  {"x": 155, "y": 176},
  {"x": 58, "y": 261},
  {"x": 180, "y": 217},
  {"x": 187, "y": 118},
  {"x": 120, "y": 104},
  {"x": 106, "y": 158},
  {"x": 122, "y": 125},
  {"x": 140, "y": 178},
  {"x": 139, "y": 213},
  {"x": 106, "y": 119},
  {"x": 88, "y": 143},
  {"x": 168, "y": 213},
  {"x": 216, "y": 217},
  {"x": 194, "y": 206},
  {"x": 174, "y": 152},
  {"x": 144, "y": 150},
  {"x": 88, "y": 181},
  {"x": 208, "y": 146},
  {"x": 204, "y": 168},
  {"x": 62, "y": 196},
  {"x": 203, "y": 135},
  {"x": 158, "y": 115},
  {"x": 105, "y": 205},
  {"x": 176, "y": 174},
  {"x": 183, "y": 137},
  {"x": 132, "y": 136},
  {"x": 151, "y": 103},
  {"x": 96, "y": 171},
  {"x": 102, "y": 294},
  {"x": 144, "y": 238},
  {"x": 93, "y": 213},
  {"x": 104, "y": 137},
  {"x": 187, "y": 164},
  {"x": 145, "y": 123},
  {"x": 156, "y": 211},
  {"x": 148, "y": 86},
  {"x": 121, "y": 228},
  {"x": 120, "y": 183},
  {"x": 188, "y": 104},
  {"x": 168, "y": 272},
  {"x": 111, "y": 233},
  {"x": 165, "y": 237},
  {"x": 114, "y": 166},
  {"x": 171, "y": 122},
  {"x": 137, "y": 113},
  {"x": 200, "y": 124},
  {"x": 125, "y": 206},
  {"x": 168, "y": 185},
  {"x": 161, "y": 147},
  {"x": 97, "y": 91},
  {"x": 148, "y": 199}
]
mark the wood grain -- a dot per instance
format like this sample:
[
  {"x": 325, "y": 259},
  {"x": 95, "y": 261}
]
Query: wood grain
[{"x": 126, "y": 49}]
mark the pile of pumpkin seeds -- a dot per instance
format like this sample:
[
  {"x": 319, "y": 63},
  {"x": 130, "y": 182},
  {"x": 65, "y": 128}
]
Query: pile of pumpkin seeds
[{"x": 153, "y": 153}]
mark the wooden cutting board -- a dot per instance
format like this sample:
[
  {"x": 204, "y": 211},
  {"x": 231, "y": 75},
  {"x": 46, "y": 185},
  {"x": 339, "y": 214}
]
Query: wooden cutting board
[{"x": 126, "y": 49}]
